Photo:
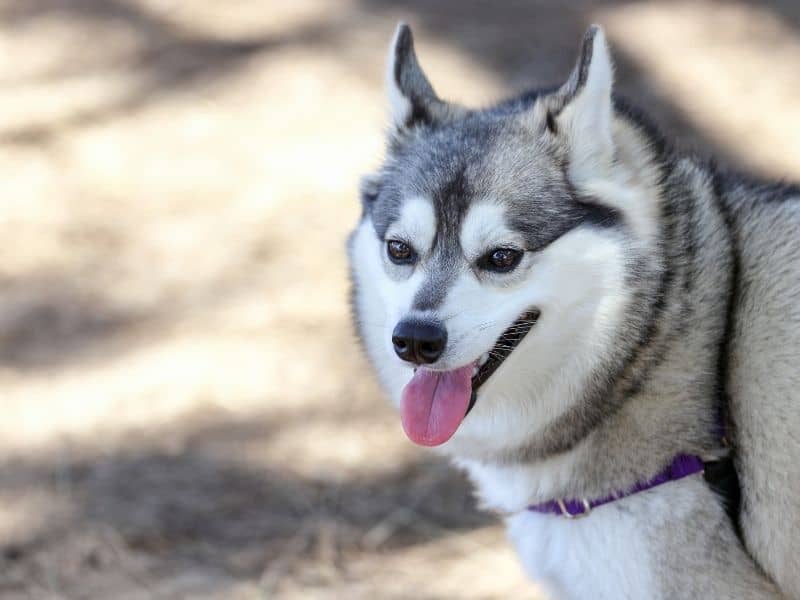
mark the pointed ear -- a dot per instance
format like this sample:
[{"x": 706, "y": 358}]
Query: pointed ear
[
  {"x": 412, "y": 100},
  {"x": 581, "y": 111}
]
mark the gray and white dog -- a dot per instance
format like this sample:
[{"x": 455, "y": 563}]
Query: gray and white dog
[{"x": 579, "y": 315}]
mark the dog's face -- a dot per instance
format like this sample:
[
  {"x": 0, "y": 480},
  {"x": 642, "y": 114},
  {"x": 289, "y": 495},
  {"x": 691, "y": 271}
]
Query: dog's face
[{"x": 484, "y": 283}]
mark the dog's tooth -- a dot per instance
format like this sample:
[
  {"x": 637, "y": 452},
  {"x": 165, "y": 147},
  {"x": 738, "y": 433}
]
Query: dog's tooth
[{"x": 484, "y": 358}]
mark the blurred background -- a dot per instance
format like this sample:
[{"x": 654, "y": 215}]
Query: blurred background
[{"x": 185, "y": 413}]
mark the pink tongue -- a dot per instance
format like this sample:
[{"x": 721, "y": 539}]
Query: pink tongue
[{"x": 434, "y": 404}]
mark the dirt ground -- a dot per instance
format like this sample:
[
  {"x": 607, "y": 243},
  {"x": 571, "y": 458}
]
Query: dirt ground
[{"x": 185, "y": 412}]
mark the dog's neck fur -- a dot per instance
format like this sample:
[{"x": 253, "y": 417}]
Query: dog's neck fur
[{"x": 627, "y": 429}]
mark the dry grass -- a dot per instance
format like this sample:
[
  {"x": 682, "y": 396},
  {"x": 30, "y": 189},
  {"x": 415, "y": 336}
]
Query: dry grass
[{"x": 185, "y": 412}]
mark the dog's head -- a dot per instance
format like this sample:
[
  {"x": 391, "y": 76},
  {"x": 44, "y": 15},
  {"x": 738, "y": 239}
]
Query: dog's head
[{"x": 495, "y": 257}]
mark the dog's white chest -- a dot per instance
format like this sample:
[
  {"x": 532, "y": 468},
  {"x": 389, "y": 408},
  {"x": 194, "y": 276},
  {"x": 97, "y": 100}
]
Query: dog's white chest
[{"x": 603, "y": 556}]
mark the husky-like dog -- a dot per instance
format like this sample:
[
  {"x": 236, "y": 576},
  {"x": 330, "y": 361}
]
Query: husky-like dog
[{"x": 597, "y": 328}]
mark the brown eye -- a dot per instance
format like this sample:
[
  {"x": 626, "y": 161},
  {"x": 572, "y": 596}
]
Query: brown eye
[
  {"x": 399, "y": 252},
  {"x": 500, "y": 260}
]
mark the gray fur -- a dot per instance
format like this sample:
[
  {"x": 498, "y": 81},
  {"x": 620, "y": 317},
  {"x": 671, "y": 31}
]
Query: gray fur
[
  {"x": 763, "y": 378},
  {"x": 714, "y": 324}
]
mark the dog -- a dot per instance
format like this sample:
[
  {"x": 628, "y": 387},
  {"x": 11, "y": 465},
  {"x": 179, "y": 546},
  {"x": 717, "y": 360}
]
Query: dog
[{"x": 601, "y": 330}]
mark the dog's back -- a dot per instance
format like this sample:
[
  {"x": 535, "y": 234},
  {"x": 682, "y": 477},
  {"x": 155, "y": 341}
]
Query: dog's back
[{"x": 764, "y": 380}]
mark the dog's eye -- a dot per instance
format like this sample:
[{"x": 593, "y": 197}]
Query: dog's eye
[
  {"x": 500, "y": 260},
  {"x": 399, "y": 252}
]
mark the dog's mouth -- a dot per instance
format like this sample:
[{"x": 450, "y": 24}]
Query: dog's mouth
[
  {"x": 435, "y": 402},
  {"x": 501, "y": 350}
]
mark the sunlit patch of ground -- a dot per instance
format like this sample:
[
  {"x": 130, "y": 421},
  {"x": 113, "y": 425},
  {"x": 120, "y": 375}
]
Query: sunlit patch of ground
[
  {"x": 735, "y": 81},
  {"x": 185, "y": 412}
]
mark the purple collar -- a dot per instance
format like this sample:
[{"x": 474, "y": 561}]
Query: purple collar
[{"x": 681, "y": 466}]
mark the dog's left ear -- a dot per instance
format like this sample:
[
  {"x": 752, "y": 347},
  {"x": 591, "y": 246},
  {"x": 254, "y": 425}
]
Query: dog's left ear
[
  {"x": 412, "y": 100},
  {"x": 580, "y": 112}
]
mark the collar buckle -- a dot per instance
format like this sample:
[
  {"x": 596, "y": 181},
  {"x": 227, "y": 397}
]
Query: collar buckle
[{"x": 587, "y": 508}]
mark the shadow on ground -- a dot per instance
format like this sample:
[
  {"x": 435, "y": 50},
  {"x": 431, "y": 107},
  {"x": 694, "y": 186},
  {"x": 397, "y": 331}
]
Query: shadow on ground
[
  {"x": 186, "y": 494},
  {"x": 528, "y": 44}
]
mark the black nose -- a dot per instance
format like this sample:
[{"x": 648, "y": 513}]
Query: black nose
[{"x": 420, "y": 342}]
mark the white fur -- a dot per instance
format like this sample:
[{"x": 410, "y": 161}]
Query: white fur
[
  {"x": 607, "y": 555},
  {"x": 578, "y": 284},
  {"x": 511, "y": 488},
  {"x": 484, "y": 228},
  {"x": 639, "y": 209},
  {"x": 588, "y": 117},
  {"x": 416, "y": 224},
  {"x": 380, "y": 302}
]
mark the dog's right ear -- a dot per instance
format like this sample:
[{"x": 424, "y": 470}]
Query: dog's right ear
[
  {"x": 412, "y": 100},
  {"x": 580, "y": 113}
]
